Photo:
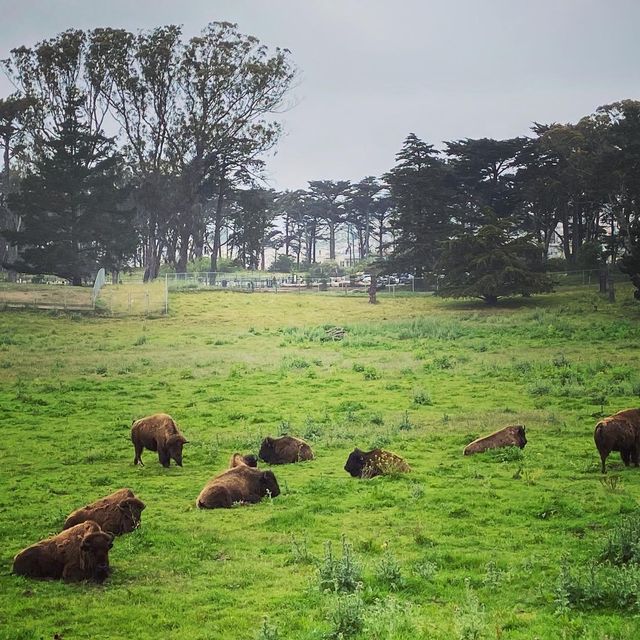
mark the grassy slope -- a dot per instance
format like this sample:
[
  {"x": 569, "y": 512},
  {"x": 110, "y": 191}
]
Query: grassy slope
[{"x": 417, "y": 375}]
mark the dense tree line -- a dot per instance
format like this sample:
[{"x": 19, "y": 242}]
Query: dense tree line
[{"x": 124, "y": 149}]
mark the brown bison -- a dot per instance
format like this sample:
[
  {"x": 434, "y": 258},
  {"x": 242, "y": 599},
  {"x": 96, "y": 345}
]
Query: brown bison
[
  {"x": 79, "y": 553},
  {"x": 284, "y": 450},
  {"x": 158, "y": 433},
  {"x": 512, "y": 436},
  {"x": 116, "y": 513},
  {"x": 619, "y": 432},
  {"x": 239, "y": 484},
  {"x": 238, "y": 459},
  {"x": 377, "y": 462}
]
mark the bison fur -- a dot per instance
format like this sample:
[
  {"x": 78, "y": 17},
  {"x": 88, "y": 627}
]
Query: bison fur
[
  {"x": 619, "y": 432},
  {"x": 79, "y": 553},
  {"x": 513, "y": 436},
  {"x": 377, "y": 462},
  {"x": 237, "y": 459},
  {"x": 158, "y": 433},
  {"x": 284, "y": 450},
  {"x": 239, "y": 484},
  {"x": 117, "y": 513}
]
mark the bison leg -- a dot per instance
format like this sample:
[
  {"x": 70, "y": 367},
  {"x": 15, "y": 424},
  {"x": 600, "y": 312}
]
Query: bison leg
[
  {"x": 625, "y": 454},
  {"x": 138, "y": 457},
  {"x": 603, "y": 457},
  {"x": 163, "y": 457}
]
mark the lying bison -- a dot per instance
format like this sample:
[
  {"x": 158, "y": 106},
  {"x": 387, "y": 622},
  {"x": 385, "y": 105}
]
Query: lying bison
[
  {"x": 239, "y": 484},
  {"x": 284, "y": 450},
  {"x": 619, "y": 432},
  {"x": 512, "y": 436},
  {"x": 117, "y": 513},
  {"x": 377, "y": 462},
  {"x": 237, "y": 459},
  {"x": 79, "y": 553},
  {"x": 158, "y": 433}
]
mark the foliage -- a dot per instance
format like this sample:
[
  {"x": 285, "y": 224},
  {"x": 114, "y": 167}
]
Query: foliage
[
  {"x": 490, "y": 264},
  {"x": 340, "y": 574}
]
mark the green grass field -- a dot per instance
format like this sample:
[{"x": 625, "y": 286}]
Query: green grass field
[{"x": 505, "y": 545}]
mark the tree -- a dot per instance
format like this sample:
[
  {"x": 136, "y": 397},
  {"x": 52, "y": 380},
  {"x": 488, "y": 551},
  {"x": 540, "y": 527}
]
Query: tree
[
  {"x": 491, "y": 263},
  {"x": 426, "y": 207},
  {"x": 72, "y": 206},
  {"x": 328, "y": 197}
]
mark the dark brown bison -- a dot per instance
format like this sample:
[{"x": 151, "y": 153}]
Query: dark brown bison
[
  {"x": 377, "y": 462},
  {"x": 117, "y": 513},
  {"x": 512, "y": 436},
  {"x": 238, "y": 459},
  {"x": 284, "y": 450},
  {"x": 158, "y": 433},
  {"x": 240, "y": 484},
  {"x": 79, "y": 553},
  {"x": 619, "y": 432}
]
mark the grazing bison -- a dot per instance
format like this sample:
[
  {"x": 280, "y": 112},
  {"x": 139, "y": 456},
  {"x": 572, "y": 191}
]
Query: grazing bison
[
  {"x": 239, "y": 484},
  {"x": 284, "y": 450},
  {"x": 512, "y": 436},
  {"x": 116, "y": 513},
  {"x": 158, "y": 433},
  {"x": 237, "y": 459},
  {"x": 79, "y": 553},
  {"x": 619, "y": 432},
  {"x": 377, "y": 462}
]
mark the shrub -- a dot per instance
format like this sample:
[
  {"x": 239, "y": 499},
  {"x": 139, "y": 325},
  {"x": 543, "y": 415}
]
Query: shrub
[
  {"x": 342, "y": 574},
  {"x": 422, "y": 397},
  {"x": 267, "y": 632},
  {"x": 390, "y": 618},
  {"x": 347, "y": 616},
  {"x": 470, "y": 617},
  {"x": 300, "y": 553},
  {"x": 623, "y": 543},
  {"x": 371, "y": 373},
  {"x": 426, "y": 570},
  {"x": 388, "y": 570}
]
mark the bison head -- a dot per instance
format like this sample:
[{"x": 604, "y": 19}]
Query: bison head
[
  {"x": 131, "y": 510},
  {"x": 355, "y": 463},
  {"x": 267, "y": 450},
  {"x": 174, "y": 448},
  {"x": 269, "y": 484},
  {"x": 250, "y": 460},
  {"x": 94, "y": 555},
  {"x": 520, "y": 435}
]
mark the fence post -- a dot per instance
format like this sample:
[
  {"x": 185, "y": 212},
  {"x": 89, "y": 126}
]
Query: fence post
[{"x": 166, "y": 294}]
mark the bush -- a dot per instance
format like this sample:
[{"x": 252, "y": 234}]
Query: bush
[
  {"x": 388, "y": 570},
  {"x": 339, "y": 574},
  {"x": 283, "y": 264},
  {"x": 347, "y": 616},
  {"x": 623, "y": 543}
]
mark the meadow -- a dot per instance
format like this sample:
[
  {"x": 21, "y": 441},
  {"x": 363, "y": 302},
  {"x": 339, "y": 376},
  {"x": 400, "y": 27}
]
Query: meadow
[{"x": 514, "y": 544}]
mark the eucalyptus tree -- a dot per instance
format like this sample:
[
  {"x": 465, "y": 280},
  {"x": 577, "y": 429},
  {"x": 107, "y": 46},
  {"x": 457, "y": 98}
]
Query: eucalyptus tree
[
  {"x": 362, "y": 200},
  {"x": 329, "y": 198},
  {"x": 230, "y": 86}
]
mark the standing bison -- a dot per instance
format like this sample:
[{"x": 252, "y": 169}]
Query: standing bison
[
  {"x": 117, "y": 513},
  {"x": 239, "y": 484},
  {"x": 158, "y": 433},
  {"x": 284, "y": 450},
  {"x": 619, "y": 432},
  {"x": 512, "y": 436},
  {"x": 79, "y": 553},
  {"x": 377, "y": 462}
]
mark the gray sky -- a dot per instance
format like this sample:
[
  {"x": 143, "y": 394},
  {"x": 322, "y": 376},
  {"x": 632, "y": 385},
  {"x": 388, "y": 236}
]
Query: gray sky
[{"x": 372, "y": 71}]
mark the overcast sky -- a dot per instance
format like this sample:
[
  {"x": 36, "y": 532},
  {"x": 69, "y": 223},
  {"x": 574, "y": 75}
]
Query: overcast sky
[{"x": 372, "y": 71}]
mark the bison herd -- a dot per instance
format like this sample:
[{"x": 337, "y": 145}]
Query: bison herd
[{"x": 81, "y": 550}]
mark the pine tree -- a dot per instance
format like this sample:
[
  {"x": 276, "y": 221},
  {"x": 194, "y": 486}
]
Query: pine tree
[
  {"x": 491, "y": 263},
  {"x": 74, "y": 218}
]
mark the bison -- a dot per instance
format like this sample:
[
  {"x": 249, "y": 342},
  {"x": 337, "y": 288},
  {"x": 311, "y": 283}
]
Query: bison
[
  {"x": 158, "y": 433},
  {"x": 238, "y": 459},
  {"x": 619, "y": 432},
  {"x": 284, "y": 450},
  {"x": 377, "y": 462},
  {"x": 239, "y": 484},
  {"x": 79, "y": 553},
  {"x": 512, "y": 436},
  {"x": 116, "y": 513}
]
